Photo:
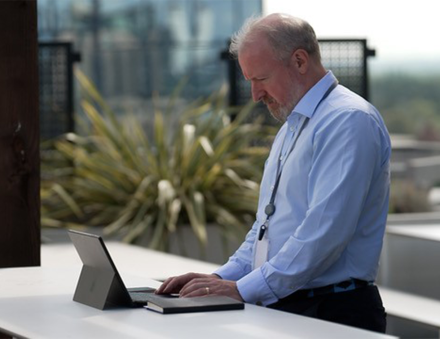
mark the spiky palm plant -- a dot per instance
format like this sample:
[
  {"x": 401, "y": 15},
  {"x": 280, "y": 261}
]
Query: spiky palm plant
[{"x": 206, "y": 168}]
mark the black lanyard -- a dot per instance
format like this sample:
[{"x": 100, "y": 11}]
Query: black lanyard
[{"x": 269, "y": 210}]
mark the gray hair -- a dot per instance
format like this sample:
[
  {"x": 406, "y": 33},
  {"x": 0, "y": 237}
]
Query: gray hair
[{"x": 285, "y": 34}]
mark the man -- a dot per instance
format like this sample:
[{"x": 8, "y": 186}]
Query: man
[{"x": 315, "y": 246}]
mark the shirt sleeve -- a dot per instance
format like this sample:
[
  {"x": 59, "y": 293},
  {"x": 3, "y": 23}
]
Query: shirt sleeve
[
  {"x": 240, "y": 263},
  {"x": 346, "y": 153}
]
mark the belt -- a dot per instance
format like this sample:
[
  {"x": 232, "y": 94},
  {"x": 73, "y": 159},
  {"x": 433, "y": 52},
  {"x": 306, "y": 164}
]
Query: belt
[{"x": 344, "y": 286}]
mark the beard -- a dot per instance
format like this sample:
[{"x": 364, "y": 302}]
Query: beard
[{"x": 278, "y": 111}]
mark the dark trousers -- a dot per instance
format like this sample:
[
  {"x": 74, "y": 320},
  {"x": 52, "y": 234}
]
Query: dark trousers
[{"x": 361, "y": 307}]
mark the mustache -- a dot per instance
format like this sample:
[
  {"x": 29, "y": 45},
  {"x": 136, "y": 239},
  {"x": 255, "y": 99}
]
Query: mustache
[{"x": 268, "y": 100}]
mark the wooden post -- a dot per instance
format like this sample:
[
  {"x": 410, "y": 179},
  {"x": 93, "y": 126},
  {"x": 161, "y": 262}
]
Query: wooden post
[{"x": 19, "y": 135}]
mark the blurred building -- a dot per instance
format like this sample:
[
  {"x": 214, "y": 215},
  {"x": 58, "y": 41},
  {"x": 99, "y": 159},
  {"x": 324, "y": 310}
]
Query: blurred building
[
  {"x": 134, "y": 48},
  {"x": 415, "y": 161}
]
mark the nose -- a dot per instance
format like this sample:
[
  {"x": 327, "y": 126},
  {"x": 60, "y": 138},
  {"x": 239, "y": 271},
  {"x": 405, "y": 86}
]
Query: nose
[{"x": 257, "y": 92}]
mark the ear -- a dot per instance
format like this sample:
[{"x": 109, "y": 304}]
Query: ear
[{"x": 300, "y": 59}]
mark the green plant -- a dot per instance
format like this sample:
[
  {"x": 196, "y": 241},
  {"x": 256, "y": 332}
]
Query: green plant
[
  {"x": 206, "y": 168},
  {"x": 406, "y": 197}
]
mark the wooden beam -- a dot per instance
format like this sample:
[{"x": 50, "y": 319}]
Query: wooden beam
[{"x": 19, "y": 135}]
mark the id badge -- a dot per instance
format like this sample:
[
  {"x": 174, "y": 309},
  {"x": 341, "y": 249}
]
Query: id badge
[{"x": 261, "y": 251}]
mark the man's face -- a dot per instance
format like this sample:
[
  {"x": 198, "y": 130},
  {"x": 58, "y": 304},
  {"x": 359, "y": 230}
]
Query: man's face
[{"x": 273, "y": 82}]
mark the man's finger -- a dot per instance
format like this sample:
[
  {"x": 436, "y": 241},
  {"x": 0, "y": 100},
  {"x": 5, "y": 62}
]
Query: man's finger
[
  {"x": 164, "y": 285},
  {"x": 197, "y": 290},
  {"x": 174, "y": 284},
  {"x": 199, "y": 287},
  {"x": 171, "y": 285},
  {"x": 194, "y": 285}
]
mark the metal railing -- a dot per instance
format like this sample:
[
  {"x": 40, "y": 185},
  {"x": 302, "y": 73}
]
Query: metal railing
[{"x": 55, "y": 70}]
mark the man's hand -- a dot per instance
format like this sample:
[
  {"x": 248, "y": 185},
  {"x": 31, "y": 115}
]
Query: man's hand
[
  {"x": 175, "y": 284},
  {"x": 199, "y": 285}
]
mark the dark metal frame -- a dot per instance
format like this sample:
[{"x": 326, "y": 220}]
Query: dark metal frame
[
  {"x": 236, "y": 81},
  {"x": 72, "y": 57},
  {"x": 367, "y": 52}
]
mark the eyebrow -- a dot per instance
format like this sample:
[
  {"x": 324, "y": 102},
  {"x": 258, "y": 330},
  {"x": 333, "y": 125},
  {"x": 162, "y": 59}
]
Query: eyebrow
[{"x": 262, "y": 77}]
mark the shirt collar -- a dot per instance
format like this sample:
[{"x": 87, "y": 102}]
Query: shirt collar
[{"x": 308, "y": 103}]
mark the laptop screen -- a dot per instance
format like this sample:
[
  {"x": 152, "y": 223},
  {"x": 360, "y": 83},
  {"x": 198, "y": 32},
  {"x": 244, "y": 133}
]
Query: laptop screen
[{"x": 99, "y": 284}]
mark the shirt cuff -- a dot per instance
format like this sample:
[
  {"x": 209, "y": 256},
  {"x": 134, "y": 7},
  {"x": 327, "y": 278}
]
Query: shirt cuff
[{"x": 254, "y": 289}]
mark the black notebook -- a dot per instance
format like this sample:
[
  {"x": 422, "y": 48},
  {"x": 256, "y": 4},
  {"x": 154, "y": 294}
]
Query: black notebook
[{"x": 197, "y": 304}]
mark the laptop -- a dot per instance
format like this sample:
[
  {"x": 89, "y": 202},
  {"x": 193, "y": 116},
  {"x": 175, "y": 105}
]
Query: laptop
[{"x": 100, "y": 285}]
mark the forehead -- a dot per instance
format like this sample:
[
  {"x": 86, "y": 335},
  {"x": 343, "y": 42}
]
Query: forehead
[{"x": 256, "y": 59}]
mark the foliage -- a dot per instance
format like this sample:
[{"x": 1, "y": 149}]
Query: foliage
[
  {"x": 409, "y": 104},
  {"x": 145, "y": 185},
  {"x": 405, "y": 197}
]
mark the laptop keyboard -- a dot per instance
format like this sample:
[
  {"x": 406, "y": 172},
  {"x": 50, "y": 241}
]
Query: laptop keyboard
[
  {"x": 142, "y": 297},
  {"x": 139, "y": 297}
]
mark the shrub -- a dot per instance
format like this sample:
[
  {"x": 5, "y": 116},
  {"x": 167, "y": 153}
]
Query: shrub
[{"x": 140, "y": 185}]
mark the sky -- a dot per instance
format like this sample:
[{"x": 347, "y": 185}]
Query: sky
[{"x": 405, "y": 34}]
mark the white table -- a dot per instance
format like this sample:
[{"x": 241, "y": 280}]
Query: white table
[
  {"x": 37, "y": 303},
  {"x": 134, "y": 260},
  {"x": 419, "y": 231},
  {"x": 409, "y": 259},
  {"x": 409, "y": 277}
]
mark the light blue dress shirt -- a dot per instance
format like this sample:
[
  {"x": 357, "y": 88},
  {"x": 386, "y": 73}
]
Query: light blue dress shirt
[{"x": 331, "y": 203}]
